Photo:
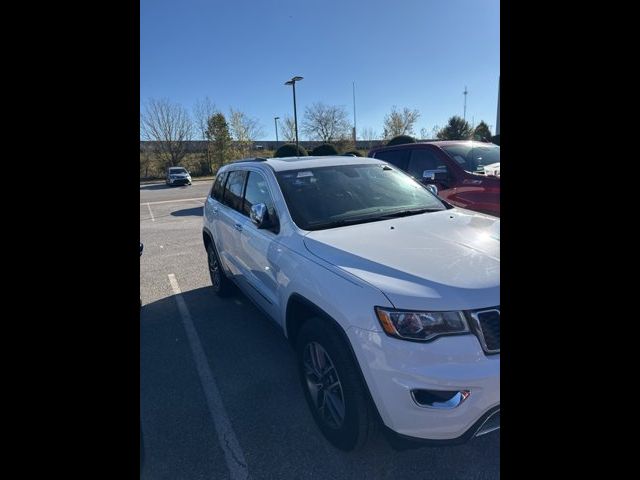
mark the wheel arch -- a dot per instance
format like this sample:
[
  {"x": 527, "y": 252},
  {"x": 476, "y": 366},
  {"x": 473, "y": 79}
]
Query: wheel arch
[
  {"x": 300, "y": 309},
  {"x": 207, "y": 237}
]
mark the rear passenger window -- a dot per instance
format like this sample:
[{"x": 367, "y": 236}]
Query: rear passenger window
[
  {"x": 399, "y": 158},
  {"x": 233, "y": 189},
  {"x": 424, "y": 159},
  {"x": 218, "y": 185}
]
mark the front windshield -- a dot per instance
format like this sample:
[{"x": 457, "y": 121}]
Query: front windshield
[
  {"x": 328, "y": 197},
  {"x": 473, "y": 156},
  {"x": 177, "y": 170}
]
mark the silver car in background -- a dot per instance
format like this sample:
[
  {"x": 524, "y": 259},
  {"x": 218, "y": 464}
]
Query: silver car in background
[{"x": 178, "y": 176}]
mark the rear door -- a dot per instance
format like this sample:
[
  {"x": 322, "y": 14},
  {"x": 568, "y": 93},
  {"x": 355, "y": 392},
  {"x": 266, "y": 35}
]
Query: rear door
[
  {"x": 231, "y": 220},
  {"x": 212, "y": 208}
]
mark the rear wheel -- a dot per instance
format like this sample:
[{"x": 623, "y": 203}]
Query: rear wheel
[
  {"x": 221, "y": 284},
  {"x": 332, "y": 386}
]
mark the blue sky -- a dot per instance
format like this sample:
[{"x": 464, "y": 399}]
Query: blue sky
[{"x": 409, "y": 53}]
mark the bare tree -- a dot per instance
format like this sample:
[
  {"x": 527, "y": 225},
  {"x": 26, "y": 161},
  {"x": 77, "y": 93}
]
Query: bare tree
[
  {"x": 288, "y": 129},
  {"x": 168, "y": 125},
  {"x": 244, "y": 130},
  {"x": 203, "y": 110},
  {"x": 326, "y": 123},
  {"x": 369, "y": 135},
  {"x": 400, "y": 122},
  {"x": 145, "y": 161},
  {"x": 424, "y": 135},
  {"x": 435, "y": 130}
]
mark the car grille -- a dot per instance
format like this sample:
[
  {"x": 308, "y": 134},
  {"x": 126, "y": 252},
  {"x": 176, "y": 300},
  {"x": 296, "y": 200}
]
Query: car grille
[{"x": 487, "y": 327}]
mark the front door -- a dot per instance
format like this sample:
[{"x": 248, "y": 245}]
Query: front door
[{"x": 259, "y": 247}]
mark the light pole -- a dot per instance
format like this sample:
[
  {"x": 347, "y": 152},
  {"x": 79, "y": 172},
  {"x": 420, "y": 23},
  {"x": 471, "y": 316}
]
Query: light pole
[
  {"x": 275, "y": 120},
  {"x": 354, "y": 115},
  {"x": 292, "y": 82},
  {"x": 464, "y": 115}
]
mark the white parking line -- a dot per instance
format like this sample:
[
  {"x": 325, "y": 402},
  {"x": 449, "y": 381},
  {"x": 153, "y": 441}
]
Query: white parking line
[
  {"x": 233, "y": 455},
  {"x": 151, "y": 213},
  {"x": 200, "y": 199}
]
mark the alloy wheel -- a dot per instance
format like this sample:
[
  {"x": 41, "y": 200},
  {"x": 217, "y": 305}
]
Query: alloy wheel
[{"x": 323, "y": 384}]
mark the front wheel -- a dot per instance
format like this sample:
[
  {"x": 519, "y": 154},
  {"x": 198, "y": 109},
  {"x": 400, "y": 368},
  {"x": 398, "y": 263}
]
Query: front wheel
[{"x": 332, "y": 386}]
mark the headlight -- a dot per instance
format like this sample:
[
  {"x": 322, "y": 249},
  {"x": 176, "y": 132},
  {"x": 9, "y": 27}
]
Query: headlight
[{"x": 415, "y": 325}]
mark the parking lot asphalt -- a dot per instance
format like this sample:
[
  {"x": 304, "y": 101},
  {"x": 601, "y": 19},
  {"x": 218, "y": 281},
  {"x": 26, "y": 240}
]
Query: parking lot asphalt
[{"x": 219, "y": 391}]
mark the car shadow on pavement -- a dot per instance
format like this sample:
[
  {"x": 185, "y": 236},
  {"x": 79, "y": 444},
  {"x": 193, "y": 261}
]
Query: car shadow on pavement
[
  {"x": 161, "y": 186},
  {"x": 195, "y": 211},
  {"x": 255, "y": 370}
]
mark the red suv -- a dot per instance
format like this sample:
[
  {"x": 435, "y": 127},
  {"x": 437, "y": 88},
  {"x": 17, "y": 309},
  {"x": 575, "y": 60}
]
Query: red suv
[{"x": 455, "y": 167}]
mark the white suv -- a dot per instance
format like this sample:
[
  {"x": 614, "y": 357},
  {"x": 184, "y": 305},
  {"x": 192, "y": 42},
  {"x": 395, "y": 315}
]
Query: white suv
[
  {"x": 178, "y": 176},
  {"x": 390, "y": 296}
]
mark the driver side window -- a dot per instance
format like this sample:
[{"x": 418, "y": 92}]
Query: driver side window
[
  {"x": 424, "y": 159},
  {"x": 257, "y": 192}
]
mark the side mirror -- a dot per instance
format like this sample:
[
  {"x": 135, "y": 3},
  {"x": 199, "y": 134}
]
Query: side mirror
[
  {"x": 433, "y": 189},
  {"x": 259, "y": 215},
  {"x": 435, "y": 176}
]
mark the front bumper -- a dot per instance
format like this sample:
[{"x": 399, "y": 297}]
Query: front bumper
[
  {"x": 488, "y": 423},
  {"x": 393, "y": 368},
  {"x": 179, "y": 181}
]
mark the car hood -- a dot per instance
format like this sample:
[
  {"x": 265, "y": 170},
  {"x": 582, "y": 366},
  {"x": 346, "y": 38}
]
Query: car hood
[{"x": 441, "y": 260}]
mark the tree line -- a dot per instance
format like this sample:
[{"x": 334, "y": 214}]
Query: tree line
[{"x": 170, "y": 126}]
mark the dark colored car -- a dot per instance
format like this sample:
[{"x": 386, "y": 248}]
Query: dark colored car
[{"x": 456, "y": 168}]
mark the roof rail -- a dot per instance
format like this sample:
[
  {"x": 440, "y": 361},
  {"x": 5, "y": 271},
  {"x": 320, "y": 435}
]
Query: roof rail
[{"x": 255, "y": 159}]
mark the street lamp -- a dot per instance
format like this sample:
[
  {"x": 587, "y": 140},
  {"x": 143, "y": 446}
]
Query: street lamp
[
  {"x": 292, "y": 82},
  {"x": 275, "y": 120}
]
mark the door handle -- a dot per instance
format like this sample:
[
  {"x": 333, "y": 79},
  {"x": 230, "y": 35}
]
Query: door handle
[
  {"x": 238, "y": 227},
  {"x": 214, "y": 209}
]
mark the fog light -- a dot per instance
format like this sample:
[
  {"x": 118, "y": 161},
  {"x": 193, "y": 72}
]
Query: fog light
[{"x": 439, "y": 399}]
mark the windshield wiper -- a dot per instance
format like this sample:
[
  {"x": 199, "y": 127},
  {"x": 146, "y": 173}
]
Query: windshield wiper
[
  {"x": 371, "y": 218},
  {"x": 406, "y": 213},
  {"x": 342, "y": 223}
]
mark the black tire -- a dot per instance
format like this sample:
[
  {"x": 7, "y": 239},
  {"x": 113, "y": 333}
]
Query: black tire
[
  {"x": 359, "y": 422},
  {"x": 222, "y": 286}
]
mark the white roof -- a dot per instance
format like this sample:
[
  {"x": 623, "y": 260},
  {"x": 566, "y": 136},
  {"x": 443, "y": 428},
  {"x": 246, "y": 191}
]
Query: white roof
[{"x": 296, "y": 163}]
